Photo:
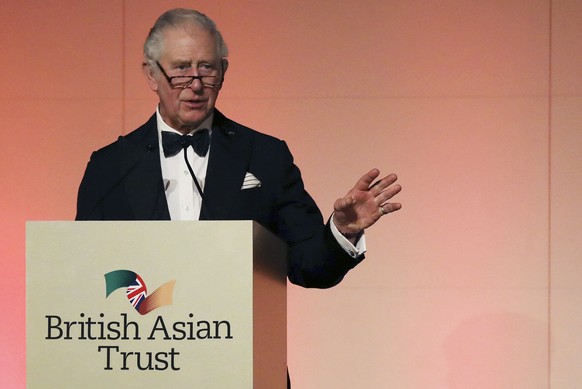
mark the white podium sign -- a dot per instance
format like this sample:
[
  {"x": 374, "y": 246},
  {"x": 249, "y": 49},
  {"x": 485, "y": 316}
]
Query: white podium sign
[{"x": 155, "y": 305}]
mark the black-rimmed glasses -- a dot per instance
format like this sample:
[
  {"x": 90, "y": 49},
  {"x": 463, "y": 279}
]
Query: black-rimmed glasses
[{"x": 183, "y": 82}]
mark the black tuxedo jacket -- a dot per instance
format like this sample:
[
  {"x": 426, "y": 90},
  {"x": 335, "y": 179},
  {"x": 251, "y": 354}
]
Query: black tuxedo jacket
[{"x": 123, "y": 181}]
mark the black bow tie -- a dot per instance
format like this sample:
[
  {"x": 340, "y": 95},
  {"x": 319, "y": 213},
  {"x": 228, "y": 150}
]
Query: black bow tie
[{"x": 173, "y": 143}]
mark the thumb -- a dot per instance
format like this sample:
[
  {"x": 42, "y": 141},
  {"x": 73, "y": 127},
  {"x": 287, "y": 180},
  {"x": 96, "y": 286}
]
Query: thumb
[{"x": 342, "y": 203}]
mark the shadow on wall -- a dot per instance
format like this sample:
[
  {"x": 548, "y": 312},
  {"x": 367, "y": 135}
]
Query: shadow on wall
[{"x": 498, "y": 351}]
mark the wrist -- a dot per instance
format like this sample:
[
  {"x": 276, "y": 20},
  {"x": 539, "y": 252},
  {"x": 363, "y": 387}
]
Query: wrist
[{"x": 352, "y": 236}]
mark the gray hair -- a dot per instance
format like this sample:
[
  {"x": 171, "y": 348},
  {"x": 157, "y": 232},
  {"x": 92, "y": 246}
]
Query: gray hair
[{"x": 154, "y": 44}]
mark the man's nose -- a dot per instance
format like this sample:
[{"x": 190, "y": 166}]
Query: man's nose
[{"x": 196, "y": 84}]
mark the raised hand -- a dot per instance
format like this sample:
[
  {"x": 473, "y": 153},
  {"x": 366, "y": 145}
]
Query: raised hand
[{"x": 366, "y": 203}]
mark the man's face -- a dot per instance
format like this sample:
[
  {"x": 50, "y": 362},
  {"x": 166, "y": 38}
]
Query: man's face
[{"x": 188, "y": 51}]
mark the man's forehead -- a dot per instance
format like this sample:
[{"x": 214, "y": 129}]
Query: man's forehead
[{"x": 183, "y": 41}]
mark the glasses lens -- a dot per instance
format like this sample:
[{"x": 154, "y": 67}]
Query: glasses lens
[
  {"x": 181, "y": 81},
  {"x": 210, "y": 80}
]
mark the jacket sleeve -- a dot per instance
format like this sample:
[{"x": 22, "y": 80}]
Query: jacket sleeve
[{"x": 315, "y": 258}]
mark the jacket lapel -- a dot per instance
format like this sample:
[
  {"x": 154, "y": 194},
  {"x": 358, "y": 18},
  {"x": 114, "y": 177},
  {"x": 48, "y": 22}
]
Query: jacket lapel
[
  {"x": 144, "y": 186},
  {"x": 230, "y": 152}
]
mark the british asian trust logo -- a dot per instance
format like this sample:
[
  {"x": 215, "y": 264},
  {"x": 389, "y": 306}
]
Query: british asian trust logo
[{"x": 136, "y": 291}]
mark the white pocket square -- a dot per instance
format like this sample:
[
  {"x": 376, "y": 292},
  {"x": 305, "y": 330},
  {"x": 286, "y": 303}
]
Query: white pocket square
[{"x": 250, "y": 182}]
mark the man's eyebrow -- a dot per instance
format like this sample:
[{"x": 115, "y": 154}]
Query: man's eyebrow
[{"x": 179, "y": 62}]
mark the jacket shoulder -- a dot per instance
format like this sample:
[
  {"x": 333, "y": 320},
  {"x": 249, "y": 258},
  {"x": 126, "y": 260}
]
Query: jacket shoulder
[
  {"x": 231, "y": 127},
  {"x": 143, "y": 135}
]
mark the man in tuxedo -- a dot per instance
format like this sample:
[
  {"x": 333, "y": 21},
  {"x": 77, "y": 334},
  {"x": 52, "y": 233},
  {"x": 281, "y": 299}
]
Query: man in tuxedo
[{"x": 190, "y": 162}]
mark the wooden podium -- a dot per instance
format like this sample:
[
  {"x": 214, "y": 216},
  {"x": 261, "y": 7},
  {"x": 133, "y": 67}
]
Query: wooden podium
[{"x": 155, "y": 305}]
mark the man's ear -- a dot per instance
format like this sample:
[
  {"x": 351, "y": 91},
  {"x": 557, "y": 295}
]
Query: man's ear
[
  {"x": 150, "y": 76},
  {"x": 224, "y": 67}
]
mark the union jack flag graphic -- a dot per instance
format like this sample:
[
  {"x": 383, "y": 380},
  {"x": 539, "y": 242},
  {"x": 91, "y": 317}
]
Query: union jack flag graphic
[{"x": 137, "y": 292}]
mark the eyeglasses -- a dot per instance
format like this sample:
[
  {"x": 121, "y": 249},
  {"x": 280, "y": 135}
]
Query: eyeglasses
[{"x": 183, "y": 82}]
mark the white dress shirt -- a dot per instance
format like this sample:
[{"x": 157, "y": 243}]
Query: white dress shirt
[{"x": 184, "y": 201}]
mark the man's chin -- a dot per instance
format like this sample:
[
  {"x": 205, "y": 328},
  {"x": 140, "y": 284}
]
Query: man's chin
[{"x": 193, "y": 121}]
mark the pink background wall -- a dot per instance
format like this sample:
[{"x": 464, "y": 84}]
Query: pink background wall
[{"x": 476, "y": 105}]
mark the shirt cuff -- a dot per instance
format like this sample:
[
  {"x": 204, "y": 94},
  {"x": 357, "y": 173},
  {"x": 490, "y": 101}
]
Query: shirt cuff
[{"x": 354, "y": 251}]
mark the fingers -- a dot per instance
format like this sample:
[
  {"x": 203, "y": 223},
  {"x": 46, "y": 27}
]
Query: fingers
[
  {"x": 383, "y": 211},
  {"x": 366, "y": 180},
  {"x": 377, "y": 193},
  {"x": 387, "y": 208},
  {"x": 383, "y": 190},
  {"x": 380, "y": 185},
  {"x": 387, "y": 192}
]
